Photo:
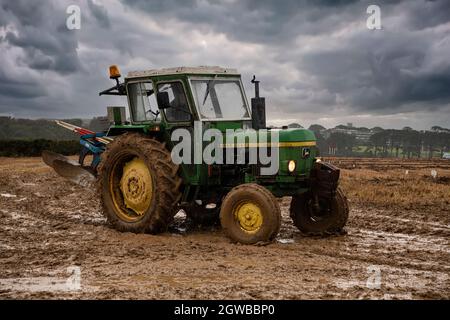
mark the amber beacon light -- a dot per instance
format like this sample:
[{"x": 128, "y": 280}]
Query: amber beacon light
[{"x": 114, "y": 72}]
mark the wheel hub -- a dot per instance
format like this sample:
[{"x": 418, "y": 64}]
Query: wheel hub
[
  {"x": 136, "y": 186},
  {"x": 249, "y": 217}
]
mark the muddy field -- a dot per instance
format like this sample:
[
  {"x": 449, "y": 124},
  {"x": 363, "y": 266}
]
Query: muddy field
[{"x": 397, "y": 245}]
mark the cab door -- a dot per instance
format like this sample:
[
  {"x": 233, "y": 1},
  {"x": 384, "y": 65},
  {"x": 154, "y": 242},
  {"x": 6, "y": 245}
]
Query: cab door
[
  {"x": 142, "y": 102},
  {"x": 180, "y": 115}
]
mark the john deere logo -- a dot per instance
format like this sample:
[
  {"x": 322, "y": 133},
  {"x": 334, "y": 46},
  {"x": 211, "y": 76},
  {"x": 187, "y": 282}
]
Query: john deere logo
[{"x": 306, "y": 152}]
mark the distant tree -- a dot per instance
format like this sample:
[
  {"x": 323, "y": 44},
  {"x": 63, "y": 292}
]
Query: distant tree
[
  {"x": 11, "y": 128},
  {"x": 295, "y": 125},
  {"x": 320, "y": 140},
  {"x": 377, "y": 129},
  {"x": 99, "y": 124},
  {"x": 411, "y": 143},
  {"x": 343, "y": 142},
  {"x": 321, "y": 143},
  {"x": 316, "y": 128},
  {"x": 33, "y": 148},
  {"x": 439, "y": 129},
  {"x": 379, "y": 142},
  {"x": 443, "y": 142},
  {"x": 396, "y": 138},
  {"x": 436, "y": 128},
  {"x": 430, "y": 141}
]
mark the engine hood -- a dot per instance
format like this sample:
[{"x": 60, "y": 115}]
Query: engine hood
[{"x": 286, "y": 138}]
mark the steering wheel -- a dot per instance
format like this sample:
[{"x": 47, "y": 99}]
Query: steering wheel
[{"x": 156, "y": 114}]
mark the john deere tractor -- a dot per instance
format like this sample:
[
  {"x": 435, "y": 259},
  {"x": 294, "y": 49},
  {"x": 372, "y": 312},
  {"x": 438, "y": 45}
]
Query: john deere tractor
[{"x": 141, "y": 187}]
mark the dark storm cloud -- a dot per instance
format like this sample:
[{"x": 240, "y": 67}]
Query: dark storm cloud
[
  {"x": 313, "y": 57},
  {"x": 256, "y": 21},
  {"x": 100, "y": 13},
  {"x": 39, "y": 56},
  {"x": 384, "y": 71},
  {"x": 20, "y": 87},
  {"x": 428, "y": 14},
  {"x": 38, "y": 27}
]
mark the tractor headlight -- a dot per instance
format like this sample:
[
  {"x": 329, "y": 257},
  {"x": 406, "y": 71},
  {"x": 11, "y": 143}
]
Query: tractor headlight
[{"x": 291, "y": 166}]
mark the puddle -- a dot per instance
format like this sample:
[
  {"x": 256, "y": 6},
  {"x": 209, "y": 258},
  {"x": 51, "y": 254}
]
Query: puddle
[
  {"x": 8, "y": 195},
  {"x": 285, "y": 241}
]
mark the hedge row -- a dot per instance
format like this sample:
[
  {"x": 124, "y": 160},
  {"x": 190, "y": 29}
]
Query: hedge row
[{"x": 34, "y": 148}]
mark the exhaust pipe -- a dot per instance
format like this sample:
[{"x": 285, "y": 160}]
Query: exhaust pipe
[{"x": 258, "y": 108}]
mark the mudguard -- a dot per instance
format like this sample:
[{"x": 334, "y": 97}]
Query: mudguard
[{"x": 324, "y": 179}]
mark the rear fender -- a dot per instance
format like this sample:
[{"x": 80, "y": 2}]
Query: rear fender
[{"x": 324, "y": 179}]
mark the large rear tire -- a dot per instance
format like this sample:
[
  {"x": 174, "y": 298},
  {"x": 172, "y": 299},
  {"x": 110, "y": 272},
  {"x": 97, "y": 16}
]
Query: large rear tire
[
  {"x": 329, "y": 218},
  {"x": 138, "y": 184},
  {"x": 250, "y": 214}
]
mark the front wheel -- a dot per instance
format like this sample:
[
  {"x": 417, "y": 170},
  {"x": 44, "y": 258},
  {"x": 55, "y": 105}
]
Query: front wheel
[
  {"x": 250, "y": 214},
  {"x": 321, "y": 216}
]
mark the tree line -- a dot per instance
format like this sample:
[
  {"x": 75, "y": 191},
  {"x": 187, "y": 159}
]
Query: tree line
[
  {"x": 409, "y": 143},
  {"x": 405, "y": 143},
  {"x": 34, "y": 148},
  {"x": 15, "y": 129},
  {"x": 25, "y": 137},
  {"x": 28, "y": 138},
  {"x": 22, "y": 129}
]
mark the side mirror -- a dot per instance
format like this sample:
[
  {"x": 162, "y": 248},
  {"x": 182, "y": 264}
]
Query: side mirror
[{"x": 163, "y": 100}]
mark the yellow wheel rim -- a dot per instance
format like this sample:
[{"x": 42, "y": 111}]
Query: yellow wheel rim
[
  {"x": 136, "y": 188},
  {"x": 249, "y": 217}
]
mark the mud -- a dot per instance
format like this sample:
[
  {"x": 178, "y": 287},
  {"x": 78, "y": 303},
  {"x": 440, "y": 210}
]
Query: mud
[{"x": 49, "y": 224}]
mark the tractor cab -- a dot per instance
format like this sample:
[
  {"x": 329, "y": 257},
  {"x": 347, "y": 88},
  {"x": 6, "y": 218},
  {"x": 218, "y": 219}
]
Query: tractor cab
[{"x": 178, "y": 96}]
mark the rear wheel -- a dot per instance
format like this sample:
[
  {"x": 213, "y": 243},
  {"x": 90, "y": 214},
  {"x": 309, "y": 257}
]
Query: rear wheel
[
  {"x": 250, "y": 214},
  {"x": 330, "y": 216},
  {"x": 139, "y": 185}
]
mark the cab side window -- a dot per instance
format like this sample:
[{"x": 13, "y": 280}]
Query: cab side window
[
  {"x": 179, "y": 108},
  {"x": 142, "y": 101}
]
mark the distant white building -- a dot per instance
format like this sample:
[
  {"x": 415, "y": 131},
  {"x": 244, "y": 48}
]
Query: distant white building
[{"x": 446, "y": 155}]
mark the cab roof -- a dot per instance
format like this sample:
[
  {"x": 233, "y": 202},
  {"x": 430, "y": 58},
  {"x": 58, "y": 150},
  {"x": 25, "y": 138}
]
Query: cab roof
[{"x": 202, "y": 70}]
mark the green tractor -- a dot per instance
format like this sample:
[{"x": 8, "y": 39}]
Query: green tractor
[{"x": 141, "y": 187}]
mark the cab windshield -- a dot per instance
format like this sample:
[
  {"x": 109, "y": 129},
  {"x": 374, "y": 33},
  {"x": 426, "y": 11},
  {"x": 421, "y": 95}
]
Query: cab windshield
[{"x": 219, "y": 99}]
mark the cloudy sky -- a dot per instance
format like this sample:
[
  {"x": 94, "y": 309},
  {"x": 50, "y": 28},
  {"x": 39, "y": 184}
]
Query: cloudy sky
[{"x": 316, "y": 59}]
